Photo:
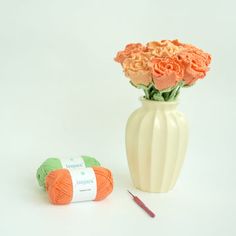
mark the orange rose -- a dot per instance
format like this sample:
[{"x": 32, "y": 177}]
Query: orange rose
[
  {"x": 163, "y": 63},
  {"x": 137, "y": 69},
  {"x": 130, "y": 49},
  {"x": 166, "y": 72},
  {"x": 164, "y": 48},
  {"x": 176, "y": 42},
  {"x": 196, "y": 62}
]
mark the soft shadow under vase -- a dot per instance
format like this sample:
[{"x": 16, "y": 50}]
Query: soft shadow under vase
[{"x": 156, "y": 142}]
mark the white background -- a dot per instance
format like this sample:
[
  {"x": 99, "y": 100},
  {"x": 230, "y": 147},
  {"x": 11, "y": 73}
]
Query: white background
[{"x": 61, "y": 94}]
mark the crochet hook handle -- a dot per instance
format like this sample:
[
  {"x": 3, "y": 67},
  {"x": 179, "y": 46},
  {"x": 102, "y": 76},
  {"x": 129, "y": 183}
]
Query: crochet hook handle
[{"x": 142, "y": 205}]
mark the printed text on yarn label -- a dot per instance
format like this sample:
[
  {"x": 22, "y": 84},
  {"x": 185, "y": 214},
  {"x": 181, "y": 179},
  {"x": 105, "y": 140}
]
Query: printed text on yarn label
[
  {"x": 76, "y": 162},
  {"x": 84, "y": 184}
]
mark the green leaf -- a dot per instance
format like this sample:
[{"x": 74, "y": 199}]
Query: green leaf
[
  {"x": 157, "y": 97},
  {"x": 167, "y": 90},
  {"x": 165, "y": 96},
  {"x": 174, "y": 93},
  {"x": 188, "y": 86},
  {"x": 181, "y": 83},
  {"x": 151, "y": 93},
  {"x": 133, "y": 84},
  {"x": 139, "y": 86},
  {"x": 146, "y": 93}
]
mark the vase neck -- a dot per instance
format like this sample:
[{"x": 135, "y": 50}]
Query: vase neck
[{"x": 156, "y": 105}]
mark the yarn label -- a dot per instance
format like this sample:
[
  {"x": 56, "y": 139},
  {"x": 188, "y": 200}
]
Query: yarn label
[
  {"x": 84, "y": 184},
  {"x": 71, "y": 163}
]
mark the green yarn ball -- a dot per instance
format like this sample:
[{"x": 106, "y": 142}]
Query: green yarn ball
[{"x": 55, "y": 164}]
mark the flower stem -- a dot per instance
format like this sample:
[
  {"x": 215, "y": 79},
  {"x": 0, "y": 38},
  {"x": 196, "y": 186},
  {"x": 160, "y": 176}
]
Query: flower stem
[{"x": 146, "y": 93}]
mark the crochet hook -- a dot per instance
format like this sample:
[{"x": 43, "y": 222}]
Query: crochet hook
[{"x": 142, "y": 205}]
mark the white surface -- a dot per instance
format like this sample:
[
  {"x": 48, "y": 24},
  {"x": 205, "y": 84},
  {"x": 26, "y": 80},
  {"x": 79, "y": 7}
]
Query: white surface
[{"x": 61, "y": 94}]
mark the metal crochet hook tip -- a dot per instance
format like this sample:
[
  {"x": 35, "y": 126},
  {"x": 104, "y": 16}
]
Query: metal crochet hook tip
[{"x": 130, "y": 193}]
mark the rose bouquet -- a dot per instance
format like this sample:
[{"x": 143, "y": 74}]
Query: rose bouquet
[{"x": 162, "y": 68}]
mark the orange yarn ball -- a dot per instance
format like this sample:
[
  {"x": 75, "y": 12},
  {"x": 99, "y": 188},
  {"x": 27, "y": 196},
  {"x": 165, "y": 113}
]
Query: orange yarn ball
[{"x": 60, "y": 189}]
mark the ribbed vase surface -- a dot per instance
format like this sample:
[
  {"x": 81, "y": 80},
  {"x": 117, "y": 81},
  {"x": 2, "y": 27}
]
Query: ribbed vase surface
[{"x": 156, "y": 142}]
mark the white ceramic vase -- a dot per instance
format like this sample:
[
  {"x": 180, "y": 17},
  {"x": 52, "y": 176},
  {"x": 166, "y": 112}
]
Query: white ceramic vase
[{"x": 156, "y": 141}]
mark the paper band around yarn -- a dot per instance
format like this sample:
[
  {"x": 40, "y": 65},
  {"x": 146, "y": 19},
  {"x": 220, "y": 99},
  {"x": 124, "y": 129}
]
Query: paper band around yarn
[
  {"x": 76, "y": 162},
  {"x": 84, "y": 184}
]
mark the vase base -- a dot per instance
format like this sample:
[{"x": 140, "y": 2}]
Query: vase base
[{"x": 148, "y": 190}]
